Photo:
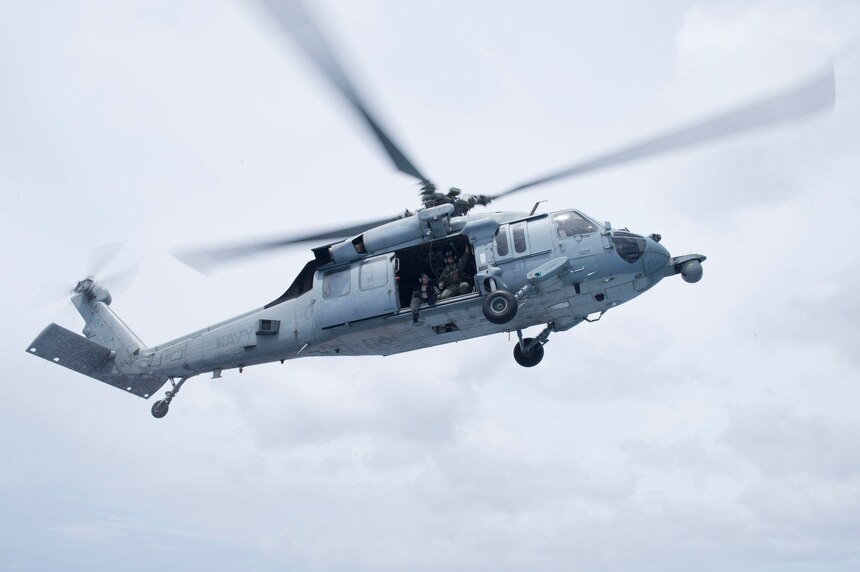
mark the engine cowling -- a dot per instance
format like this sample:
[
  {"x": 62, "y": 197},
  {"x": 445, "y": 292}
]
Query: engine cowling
[{"x": 434, "y": 222}]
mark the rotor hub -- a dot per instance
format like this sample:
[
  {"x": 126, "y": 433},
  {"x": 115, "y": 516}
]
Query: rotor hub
[{"x": 84, "y": 286}]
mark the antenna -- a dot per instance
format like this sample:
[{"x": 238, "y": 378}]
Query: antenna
[{"x": 534, "y": 208}]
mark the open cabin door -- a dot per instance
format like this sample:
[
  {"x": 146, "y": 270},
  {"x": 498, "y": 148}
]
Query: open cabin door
[{"x": 362, "y": 290}]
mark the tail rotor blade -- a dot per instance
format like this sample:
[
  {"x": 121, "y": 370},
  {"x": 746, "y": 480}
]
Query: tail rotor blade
[
  {"x": 98, "y": 262},
  {"x": 119, "y": 281},
  {"x": 101, "y": 256},
  {"x": 51, "y": 293}
]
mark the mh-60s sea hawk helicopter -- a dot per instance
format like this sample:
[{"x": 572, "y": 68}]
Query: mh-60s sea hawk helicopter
[{"x": 522, "y": 269}]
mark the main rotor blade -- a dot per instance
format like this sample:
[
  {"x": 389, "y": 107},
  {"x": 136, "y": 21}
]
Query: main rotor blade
[
  {"x": 815, "y": 95},
  {"x": 295, "y": 20},
  {"x": 205, "y": 260}
]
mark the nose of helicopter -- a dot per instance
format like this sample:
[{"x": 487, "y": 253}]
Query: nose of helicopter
[{"x": 656, "y": 256}]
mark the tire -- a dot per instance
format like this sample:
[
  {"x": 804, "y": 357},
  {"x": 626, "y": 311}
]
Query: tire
[
  {"x": 160, "y": 408},
  {"x": 529, "y": 359},
  {"x": 500, "y": 307}
]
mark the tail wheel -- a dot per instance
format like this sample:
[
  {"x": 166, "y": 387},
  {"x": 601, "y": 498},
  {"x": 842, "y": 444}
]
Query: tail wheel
[
  {"x": 500, "y": 307},
  {"x": 160, "y": 408},
  {"x": 531, "y": 358}
]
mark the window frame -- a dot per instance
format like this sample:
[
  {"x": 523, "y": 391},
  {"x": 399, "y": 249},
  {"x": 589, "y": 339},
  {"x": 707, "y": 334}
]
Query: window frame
[
  {"x": 327, "y": 281},
  {"x": 558, "y": 227},
  {"x": 519, "y": 228},
  {"x": 502, "y": 232},
  {"x": 383, "y": 262}
]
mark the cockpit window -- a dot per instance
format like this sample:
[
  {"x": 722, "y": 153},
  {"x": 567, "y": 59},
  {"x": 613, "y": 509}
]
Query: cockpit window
[
  {"x": 571, "y": 223},
  {"x": 629, "y": 246}
]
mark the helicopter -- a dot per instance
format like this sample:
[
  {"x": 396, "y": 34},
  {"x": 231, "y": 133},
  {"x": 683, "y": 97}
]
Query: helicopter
[{"x": 356, "y": 296}]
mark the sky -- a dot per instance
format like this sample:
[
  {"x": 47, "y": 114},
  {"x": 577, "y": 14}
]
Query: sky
[{"x": 706, "y": 426}]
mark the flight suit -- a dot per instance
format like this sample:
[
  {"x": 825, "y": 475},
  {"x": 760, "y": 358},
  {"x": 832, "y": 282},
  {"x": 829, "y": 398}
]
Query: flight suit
[
  {"x": 423, "y": 294},
  {"x": 451, "y": 284}
]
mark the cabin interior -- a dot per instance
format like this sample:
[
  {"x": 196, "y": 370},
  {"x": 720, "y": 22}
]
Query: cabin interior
[{"x": 430, "y": 258}]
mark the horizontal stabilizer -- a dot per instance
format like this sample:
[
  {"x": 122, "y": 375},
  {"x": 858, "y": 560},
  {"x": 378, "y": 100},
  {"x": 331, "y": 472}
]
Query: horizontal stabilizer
[{"x": 68, "y": 349}]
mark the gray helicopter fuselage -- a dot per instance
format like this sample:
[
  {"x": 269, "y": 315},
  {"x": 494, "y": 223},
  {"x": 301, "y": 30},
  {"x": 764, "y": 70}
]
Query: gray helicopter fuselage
[{"x": 352, "y": 304}]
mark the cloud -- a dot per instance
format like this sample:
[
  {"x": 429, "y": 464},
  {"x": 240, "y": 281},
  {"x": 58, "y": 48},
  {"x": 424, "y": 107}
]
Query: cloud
[
  {"x": 780, "y": 442},
  {"x": 799, "y": 519},
  {"x": 384, "y": 401},
  {"x": 743, "y": 35},
  {"x": 736, "y": 52},
  {"x": 683, "y": 457},
  {"x": 825, "y": 313}
]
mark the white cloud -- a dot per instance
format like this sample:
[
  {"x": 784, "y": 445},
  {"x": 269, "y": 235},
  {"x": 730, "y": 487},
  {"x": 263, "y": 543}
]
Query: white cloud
[{"x": 780, "y": 442}]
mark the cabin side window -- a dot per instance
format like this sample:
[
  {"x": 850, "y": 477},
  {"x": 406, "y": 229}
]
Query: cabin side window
[
  {"x": 519, "y": 232},
  {"x": 336, "y": 283},
  {"x": 502, "y": 241},
  {"x": 373, "y": 274},
  {"x": 571, "y": 223}
]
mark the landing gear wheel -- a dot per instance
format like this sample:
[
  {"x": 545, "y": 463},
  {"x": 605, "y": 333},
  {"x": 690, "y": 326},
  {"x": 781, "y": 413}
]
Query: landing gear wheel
[
  {"x": 160, "y": 408},
  {"x": 531, "y": 358},
  {"x": 500, "y": 307}
]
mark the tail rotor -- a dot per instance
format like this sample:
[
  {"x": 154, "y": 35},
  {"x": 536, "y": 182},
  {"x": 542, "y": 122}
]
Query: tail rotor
[{"x": 105, "y": 270}]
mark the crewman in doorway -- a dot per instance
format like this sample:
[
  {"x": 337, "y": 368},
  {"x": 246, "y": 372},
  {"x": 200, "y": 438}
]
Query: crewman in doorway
[
  {"x": 450, "y": 282},
  {"x": 424, "y": 293}
]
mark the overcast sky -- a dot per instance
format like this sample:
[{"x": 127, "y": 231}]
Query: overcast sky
[{"x": 707, "y": 426}]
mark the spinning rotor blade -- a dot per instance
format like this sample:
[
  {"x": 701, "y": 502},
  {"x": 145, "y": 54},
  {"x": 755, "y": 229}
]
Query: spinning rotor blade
[
  {"x": 295, "y": 20},
  {"x": 107, "y": 256},
  {"x": 101, "y": 256},
  {"x": 205, "y": 260},
  {"x": 98, "y": 260},
  {"x": 815, "y": 95}
]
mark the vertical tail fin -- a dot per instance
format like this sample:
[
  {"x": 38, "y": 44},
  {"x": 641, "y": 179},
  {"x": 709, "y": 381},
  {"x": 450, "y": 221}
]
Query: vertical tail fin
[{"x": 109, "y": 351}]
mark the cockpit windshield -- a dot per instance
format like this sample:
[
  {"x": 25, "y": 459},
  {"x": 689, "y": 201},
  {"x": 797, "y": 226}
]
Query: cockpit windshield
[{"x": 572, "y": 223}]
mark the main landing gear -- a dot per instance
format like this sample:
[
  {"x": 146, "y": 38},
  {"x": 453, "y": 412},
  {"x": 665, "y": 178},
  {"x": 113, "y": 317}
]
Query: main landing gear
[
  {"x": 162, "y": 406},
  {"x": 529, "y": 351},
  {"x": 500, "y": 306}
]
